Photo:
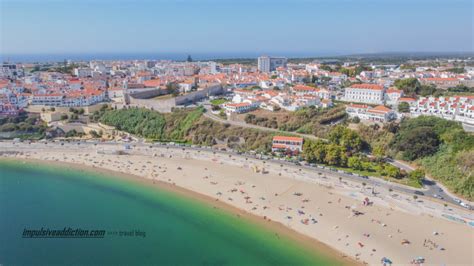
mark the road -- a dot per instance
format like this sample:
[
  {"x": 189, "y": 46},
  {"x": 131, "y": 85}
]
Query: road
[
  {"x": 431, "y": 187},
  {"x": 216, "y": 118}
]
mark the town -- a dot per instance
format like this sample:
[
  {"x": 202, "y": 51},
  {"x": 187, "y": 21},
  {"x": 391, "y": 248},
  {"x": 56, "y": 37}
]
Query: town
[
  {"x": 370, "y": 92},
  {"x": 237, "y": 132}
]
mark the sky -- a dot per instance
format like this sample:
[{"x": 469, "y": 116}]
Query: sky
[{"x": 280, "y": 27}]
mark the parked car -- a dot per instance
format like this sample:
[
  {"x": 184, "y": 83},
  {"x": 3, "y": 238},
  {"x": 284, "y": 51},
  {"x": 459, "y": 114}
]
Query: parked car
[{"x": 419, "y": 193}]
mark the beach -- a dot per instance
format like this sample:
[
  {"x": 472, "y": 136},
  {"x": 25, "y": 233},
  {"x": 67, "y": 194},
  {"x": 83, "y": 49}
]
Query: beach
[{"x": 343, "y": 218}]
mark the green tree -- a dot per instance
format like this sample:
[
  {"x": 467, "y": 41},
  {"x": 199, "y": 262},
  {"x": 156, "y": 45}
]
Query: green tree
[
  {"x": 315, "y": 151},
  {"x": 94, "y": 134},
  {"x": 335, "y": 155},
  {"x": 391, "y": 171},
  {"x": 378, "y": 151},
  {"x": 355, "y": 162},
  {"x": 417, "y": 176},
  {"x": 410, "y": 86},
  {"x": 416, "y": 143},
  {"x": 320, "y": 151},
  {"x": 427, "y": 90},
  {"x": 346, "y": 137},
  {"x": 404, "y": 107}
]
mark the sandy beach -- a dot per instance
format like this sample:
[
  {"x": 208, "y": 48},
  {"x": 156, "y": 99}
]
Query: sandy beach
[{"x": 317, "y": 207}]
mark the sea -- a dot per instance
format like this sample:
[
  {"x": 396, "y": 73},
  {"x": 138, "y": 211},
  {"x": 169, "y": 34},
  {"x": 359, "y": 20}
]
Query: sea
[
  {"x": 176, "y": 56},
  {"x": 124, "y": 221}
]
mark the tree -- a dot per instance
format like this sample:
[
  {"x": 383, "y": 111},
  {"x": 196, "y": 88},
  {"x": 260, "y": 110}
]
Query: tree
[
  {"x": 426, "y": 90},
  {"x": 378, "y": 151},
  {"x": 404, "y": 107},
  {"x": 391, "y": 171},
  {"x": 320, "y": 150},
  {"x": 410, "y": 86},
  {"x": 94, "y": 134},
  {"x": 461, "y": 88},
  {"x": 222, "y": 114},
  {"x": 64, "y": 116},
  {"x": 335, "y": 155},
  {"x": 52, "y": 109},
  {"x": 315, "y": 151},
  {"x": 355, "y": 162},
  {"x": 172, "y": 88},
  {"x": 346, "y": 137},
  {"x": 417, "y": 176},
  {"x": 416, "y": 143}
]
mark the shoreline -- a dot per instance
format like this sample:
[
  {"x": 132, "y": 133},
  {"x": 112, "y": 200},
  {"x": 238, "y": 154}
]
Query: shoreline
[
  {"x": 309, "y": 243},
  {"x": 319, "y": 207}
]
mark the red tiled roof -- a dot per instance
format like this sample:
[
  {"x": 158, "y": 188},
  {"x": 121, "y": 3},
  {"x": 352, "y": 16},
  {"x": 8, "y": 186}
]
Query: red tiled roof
[
  {"x": 304, "y": 88},
  {"x": 367, "y": 86},
  {"x": 354, "y": 105},
  {"x": 238, "y": 104},
  {"x": 407, "y": 100},
  {"x": 285, "y": 138},
  {"x": 380, "y": 109}
]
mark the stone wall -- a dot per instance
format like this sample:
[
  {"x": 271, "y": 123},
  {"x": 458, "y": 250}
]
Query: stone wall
[
  {"x": 166, "y": 105},
  {"x": 87, "y": 109}
]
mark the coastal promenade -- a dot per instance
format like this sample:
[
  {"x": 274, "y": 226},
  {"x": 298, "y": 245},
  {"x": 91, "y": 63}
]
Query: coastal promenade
[{"x": 342, "y": 213}]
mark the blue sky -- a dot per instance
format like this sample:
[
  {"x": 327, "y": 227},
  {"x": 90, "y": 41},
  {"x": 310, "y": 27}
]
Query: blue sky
[{"x": 225, "y": 26}]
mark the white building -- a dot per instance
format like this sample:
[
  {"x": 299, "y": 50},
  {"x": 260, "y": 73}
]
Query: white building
[
  {"x": 240, "y": 108},
  {"x": 392, "y": 96},
  {"x": 364, "y": 93},
  {"x": 284, "y": 143},
  {"x": 364, "y": 112},
  {"x": 457, "y": 108},
  {"x": 268, "y": 64},
  {"x": 82, "y": 72}
]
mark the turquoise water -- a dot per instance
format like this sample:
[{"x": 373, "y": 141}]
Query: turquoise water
[{"x": 178, "y": 230}]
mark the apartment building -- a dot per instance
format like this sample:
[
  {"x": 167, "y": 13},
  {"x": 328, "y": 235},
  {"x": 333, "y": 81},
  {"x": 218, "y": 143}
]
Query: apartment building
[
  {"x": 364, "y": 93},
  {"x": 268, "y": 64}
]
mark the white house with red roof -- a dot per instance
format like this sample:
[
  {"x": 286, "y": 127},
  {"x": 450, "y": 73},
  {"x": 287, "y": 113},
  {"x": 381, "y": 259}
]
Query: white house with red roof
[
  {"x": 379, "y": 113},
  {"x": 240, "y": 108},
  {"x": 284, "y": 143},
  {"x": 457, "y": 108},
  {"x": 364, "y": 93},
  {"x": 392, "y": 96}
]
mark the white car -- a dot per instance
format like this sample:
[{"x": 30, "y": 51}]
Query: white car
[{"x": 458, "y": 201}]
